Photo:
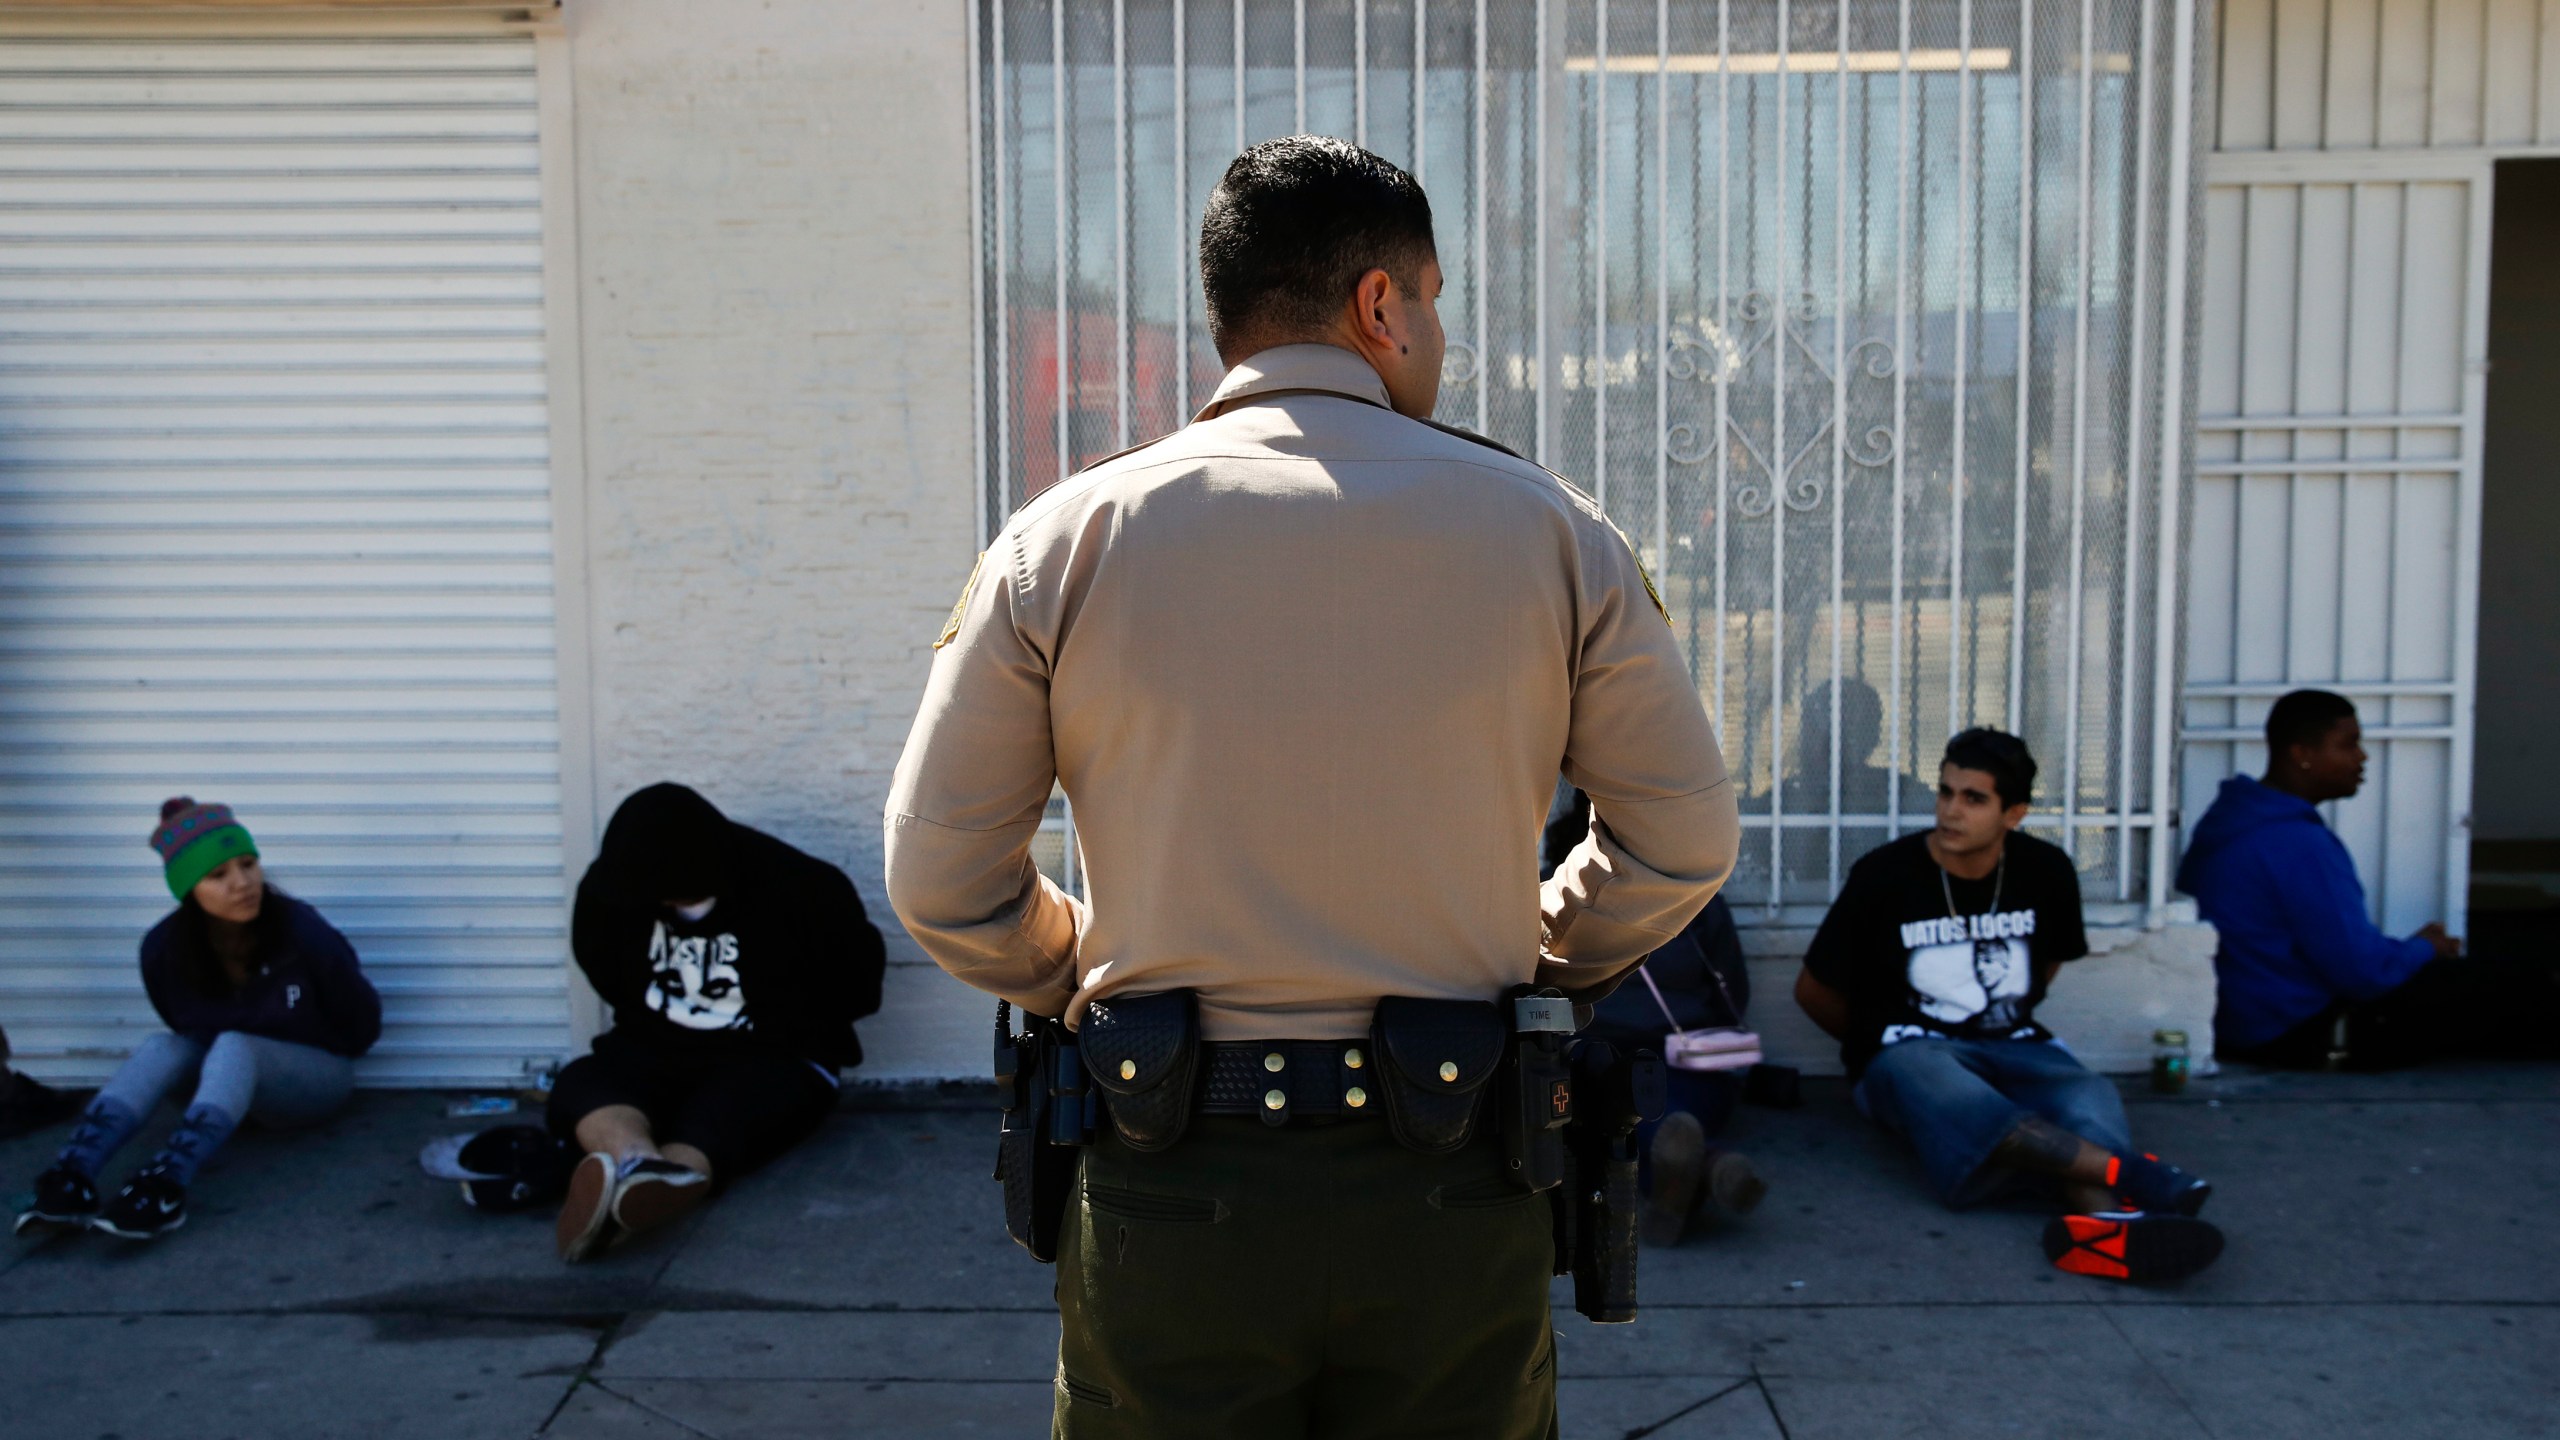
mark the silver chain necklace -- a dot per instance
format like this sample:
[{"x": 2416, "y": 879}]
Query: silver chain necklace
[{"x": 1999, "y": 876}]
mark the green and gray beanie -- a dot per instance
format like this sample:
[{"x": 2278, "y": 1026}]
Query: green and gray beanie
[{"x": 194, "y": 840}]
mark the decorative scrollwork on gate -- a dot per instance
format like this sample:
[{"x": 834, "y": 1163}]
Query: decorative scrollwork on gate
[
  {"x": 1744, "y": 354},
  {"x": 1687, "y": 444}
]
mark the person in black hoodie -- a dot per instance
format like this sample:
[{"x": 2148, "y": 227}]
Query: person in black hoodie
[
  {"x": 1697, "y": 981},
  {"x": 735, "y": 966},
  {"x": 266, "y": 1008}
]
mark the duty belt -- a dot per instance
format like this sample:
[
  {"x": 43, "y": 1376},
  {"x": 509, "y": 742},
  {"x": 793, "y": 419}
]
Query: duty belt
[
  {"x": 1568, "y": 1110},
  {"x": 1278, "y": 1079}
]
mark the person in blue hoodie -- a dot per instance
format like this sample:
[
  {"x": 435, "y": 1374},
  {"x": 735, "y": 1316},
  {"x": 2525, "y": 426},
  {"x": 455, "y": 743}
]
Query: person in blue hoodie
[
  {"x": 2306, "y": 979},
  {"x": 266, "y": 1008}
]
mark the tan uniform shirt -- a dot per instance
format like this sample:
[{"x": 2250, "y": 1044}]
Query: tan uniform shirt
[{"x": 1308, "y": 670}]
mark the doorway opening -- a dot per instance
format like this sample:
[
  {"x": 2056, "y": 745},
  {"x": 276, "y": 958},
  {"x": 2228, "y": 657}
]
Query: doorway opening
[{"x": 2515, "y": 803}]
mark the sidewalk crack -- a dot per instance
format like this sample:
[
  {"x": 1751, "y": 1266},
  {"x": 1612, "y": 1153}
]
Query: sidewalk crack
[
  {"x": 586, "y": 1368},
  {"x": 1687, "y": 1410},
  {"x": 1762, "y": 1381},
  {"x": 646, "y": 1408},
  {"x": 2156, "y": 1372}
]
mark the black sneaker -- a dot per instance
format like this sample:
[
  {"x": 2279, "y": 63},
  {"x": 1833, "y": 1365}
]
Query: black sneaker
[
  {"x": 64, "y": 1198},
  {"x": 1679, "y": 1163},
  {"x": 655, "y": 1193},
  {"x": 2154, "y": 1184},
  {"x": 2130, "y": 1245},
  {"x": 150, "y": 1204}
]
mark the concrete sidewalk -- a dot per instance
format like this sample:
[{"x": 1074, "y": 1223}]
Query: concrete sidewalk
[{"x": 2383, "y": 1279}]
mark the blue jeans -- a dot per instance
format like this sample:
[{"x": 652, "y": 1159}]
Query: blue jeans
[
  {"x": 1956, "y": 1100},
  {"x": 274, "y": 1082}
]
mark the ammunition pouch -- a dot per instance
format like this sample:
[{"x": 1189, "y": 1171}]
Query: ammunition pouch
[
  {"x": 1143, "y": 1051},
  {"x": 1435, "y": 1059}
]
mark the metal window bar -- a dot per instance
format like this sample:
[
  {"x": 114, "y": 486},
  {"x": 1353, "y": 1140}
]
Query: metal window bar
[
  {"x": 1724, "y": 370},
  {"x": 1541, "y": 88},
  {"x": 1360, "y": 73},
  {"x": 1298, "y": 36},
  {"x": 2075, "y": 556},
  {"x": 1776, "y": 468},
  {"x": 1060, "y": 303},
  {"x": 1002, "y": 360},
  {"x": 1421, "y": 96},
  {"x": 1961, "y": 458},
  {"x": 977, "y": 289},
  {"x": 1902, "y": 266},
  {"x": 2173, "y": 357},
  {"x": 1183, "y": 231},
  {"x": 1598, "y": 379},
  {"x": 1839, "y": 420},
  {"x": 1478, "y": 186},
  {"x": 2025, "y": 386},
  {"x": 2144, "y": 56},
  {"x": 1661, "y": 280},
  {"x": 1119, "y": 225},
  {"x": 1749, "y": 396}
]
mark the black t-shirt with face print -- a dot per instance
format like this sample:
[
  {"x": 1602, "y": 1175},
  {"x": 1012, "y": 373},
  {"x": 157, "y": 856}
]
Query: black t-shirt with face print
[
  {"x": 1912, "y": 966},
  {"x": 785, "y": 959},
  {"x": 694, "y": 973}
]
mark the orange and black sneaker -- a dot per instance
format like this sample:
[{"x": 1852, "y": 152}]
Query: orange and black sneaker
[{"x": 2131, "y": 1245}]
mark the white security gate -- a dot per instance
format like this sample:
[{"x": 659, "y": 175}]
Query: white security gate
[
  {"x": 1864, "y": 318},
  {"x": 2337, "y": 502},
  {"x": 275, "y": 523}
]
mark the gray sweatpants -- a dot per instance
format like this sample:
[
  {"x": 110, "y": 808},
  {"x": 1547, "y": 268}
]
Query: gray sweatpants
[{"x": 273, "y": 1082}]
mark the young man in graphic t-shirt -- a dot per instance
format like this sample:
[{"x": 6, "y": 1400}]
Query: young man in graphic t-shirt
[{"x": 1928, "y": 970}]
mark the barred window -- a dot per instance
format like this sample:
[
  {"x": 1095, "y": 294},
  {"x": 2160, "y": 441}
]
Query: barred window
[{"x": 1849, "y": 313}]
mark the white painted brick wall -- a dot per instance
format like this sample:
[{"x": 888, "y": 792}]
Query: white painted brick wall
[{"x": 773, "y": 206}]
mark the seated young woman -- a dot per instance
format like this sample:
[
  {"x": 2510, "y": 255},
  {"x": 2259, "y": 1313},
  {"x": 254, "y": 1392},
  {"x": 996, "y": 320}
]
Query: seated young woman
[{"x": 266, "y": 1008}]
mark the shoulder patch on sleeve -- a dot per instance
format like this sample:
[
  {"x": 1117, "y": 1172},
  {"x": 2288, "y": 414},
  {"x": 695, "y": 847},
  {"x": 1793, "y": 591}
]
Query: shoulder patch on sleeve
[
  {"x": 1651, "y": 593},
  {"x": 1649, "y": 588},
  {"x": 951, "y": 627}
]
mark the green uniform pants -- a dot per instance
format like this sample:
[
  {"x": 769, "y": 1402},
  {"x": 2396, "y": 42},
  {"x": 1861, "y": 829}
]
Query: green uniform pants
[{"x": 1253, "y": 1283}]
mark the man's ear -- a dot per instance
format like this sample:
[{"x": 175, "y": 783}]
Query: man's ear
[
  {"x": 2015, "y": 815},
  {"x": 1370, "y": 301}
]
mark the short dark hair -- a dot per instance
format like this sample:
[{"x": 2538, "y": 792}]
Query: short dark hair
[
  {"x": 2304, "y": 717},
  {"x": 2000, "y": 755},
  {"x": 1293, "y": 226}
]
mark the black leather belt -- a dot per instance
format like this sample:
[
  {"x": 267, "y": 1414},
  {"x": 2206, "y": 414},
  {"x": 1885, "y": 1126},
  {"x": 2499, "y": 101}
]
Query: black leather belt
[{"x": 1282, "y": 1079}]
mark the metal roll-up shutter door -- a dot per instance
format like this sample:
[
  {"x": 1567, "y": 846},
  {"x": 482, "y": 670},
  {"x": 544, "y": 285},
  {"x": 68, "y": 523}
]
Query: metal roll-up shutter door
[{"x": 275, "y": 524}]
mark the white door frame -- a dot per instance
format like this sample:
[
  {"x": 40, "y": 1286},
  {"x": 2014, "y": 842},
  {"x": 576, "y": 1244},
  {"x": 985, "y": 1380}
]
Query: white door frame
[{"x": 2476, "y": 168}]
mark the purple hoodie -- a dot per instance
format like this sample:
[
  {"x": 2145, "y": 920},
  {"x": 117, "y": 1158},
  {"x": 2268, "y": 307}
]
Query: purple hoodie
[{"x": 2282, "y": 893}]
